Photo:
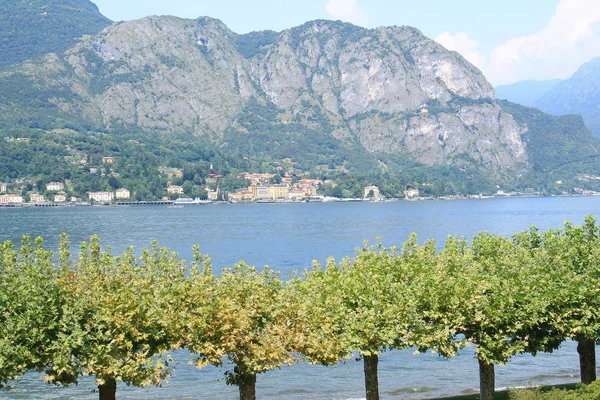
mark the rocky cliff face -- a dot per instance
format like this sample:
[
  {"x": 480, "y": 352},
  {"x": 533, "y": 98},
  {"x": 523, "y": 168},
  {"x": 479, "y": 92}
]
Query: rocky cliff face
[{"x": 391, "y": 90}]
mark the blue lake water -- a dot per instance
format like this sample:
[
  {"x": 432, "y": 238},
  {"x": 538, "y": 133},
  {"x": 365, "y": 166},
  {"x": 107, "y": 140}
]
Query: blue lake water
[{"x": 288, "y": 237}]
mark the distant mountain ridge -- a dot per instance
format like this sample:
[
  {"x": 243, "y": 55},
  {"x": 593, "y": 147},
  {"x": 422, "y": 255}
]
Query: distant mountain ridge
[
  {"x": 31, "y": 28},
  {"x": 326, "y": 91},
  {"x": 579, "y": 94},
  {"x": 526, "y": 93}
]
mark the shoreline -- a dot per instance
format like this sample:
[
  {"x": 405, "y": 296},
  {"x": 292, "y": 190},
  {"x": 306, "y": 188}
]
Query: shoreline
[{"x": 317, "y": 199}]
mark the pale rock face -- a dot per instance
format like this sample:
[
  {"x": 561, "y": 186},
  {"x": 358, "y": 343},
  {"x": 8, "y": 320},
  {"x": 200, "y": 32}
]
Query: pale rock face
[
  {"x": 483, "y": 133},
  {"x": 164, "y": 69}
]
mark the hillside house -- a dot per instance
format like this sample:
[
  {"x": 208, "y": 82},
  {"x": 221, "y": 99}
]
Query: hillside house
[
  {"x": 174, "y": 189},
  {"x": 55, "y": 186}
]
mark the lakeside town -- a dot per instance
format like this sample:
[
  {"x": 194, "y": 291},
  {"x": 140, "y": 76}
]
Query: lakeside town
[
  {"x": 261, "y": 188},
  {"x": 258, "y": 190}
]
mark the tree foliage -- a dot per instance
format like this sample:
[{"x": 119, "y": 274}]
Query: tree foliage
[
  {"x": 30, "y": 308},
  {"x": 117, "y": 317}
]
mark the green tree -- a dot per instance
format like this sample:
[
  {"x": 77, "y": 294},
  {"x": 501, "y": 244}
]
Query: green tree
[
  {"x": 487, "y": 293},
  {"x": 30, "y": 304},
  {"x": 117, "y": 316},
  {"x": 571, "y": 258},
  {"x": 188, "y": 187},
  {"x": 245, "y": 317},
  {"x": 358, "y": 306},
  {"x": 114, "y": 182}
]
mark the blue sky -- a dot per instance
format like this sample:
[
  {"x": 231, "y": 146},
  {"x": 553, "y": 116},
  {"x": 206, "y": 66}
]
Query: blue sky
[{"x": 509, "y": 40}]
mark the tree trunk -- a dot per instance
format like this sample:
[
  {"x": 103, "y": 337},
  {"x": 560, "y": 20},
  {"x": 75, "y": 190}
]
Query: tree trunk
[
  {"x": 371, "y": 382},
  {"x": 587, "y": 360},
  {"x": 108, "y": 391},
  {"x": 248, "y": 387},
  {"x": 487, "y": 381}
]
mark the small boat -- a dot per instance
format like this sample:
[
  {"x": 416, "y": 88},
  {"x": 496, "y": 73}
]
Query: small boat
[{"x": 175, "y": 206}]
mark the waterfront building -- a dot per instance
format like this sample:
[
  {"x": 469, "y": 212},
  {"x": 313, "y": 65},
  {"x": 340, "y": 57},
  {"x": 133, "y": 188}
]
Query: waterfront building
[
  {"x": 101, "y": 197},
  {"x": 213, "y": 194},
  {"x": 37, "y": 198},
  {"x": 411, "y": 194},
  {"x": 241, "y": 195},
  {"x": 123, "y": 193},
  {"x": 277, "y": 191},
  {"x": 11, "y": 199},
  {"x": 259, "y": 192},
  {"x": 60, "y": 198},
  {"x": 296, "y": 194}
]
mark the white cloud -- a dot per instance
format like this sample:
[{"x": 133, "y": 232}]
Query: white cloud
[
  {"x": 347, "y": 10},
  {"x": 571, "y": 37},
  {"x": 462, "y": 43}
]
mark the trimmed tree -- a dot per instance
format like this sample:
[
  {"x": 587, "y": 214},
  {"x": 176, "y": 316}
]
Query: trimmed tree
[
  {"x": 243, "y": 316},
  {"x": 30, "y": 307},
  {"x": 491, "y": 300},
  {"x": 356, "y": 306},
  {"x": 117, "y": 316},
  {"x": 572, "y": 269}
]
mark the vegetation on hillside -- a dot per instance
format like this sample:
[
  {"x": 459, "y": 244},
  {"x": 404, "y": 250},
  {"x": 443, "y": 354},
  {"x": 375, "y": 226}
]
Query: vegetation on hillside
[{"x": 33, "y": 28}]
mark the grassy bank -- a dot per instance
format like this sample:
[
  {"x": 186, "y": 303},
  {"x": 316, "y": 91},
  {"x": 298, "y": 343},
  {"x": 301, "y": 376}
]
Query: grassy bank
[{"x": 504, "y": 394}]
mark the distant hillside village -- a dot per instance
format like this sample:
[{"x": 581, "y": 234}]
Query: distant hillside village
[
  {"x": 283, "y": 185},
  {"x": 288, "y": 186}
]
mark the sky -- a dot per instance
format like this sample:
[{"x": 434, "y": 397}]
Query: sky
[{"x": 509, "y": 40}]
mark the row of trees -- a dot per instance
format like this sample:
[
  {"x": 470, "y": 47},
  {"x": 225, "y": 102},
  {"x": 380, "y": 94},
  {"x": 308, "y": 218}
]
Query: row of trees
[{"x": 117, "y": 317}]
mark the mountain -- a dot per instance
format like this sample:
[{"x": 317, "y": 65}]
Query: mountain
[
  {"x": 31, "y": 28},
  {"x": 325, "y": 95},
  {"x": 525, "y": 92},
  {"x": 579, "y": 94},
  {"x": 390, "y": 90}
]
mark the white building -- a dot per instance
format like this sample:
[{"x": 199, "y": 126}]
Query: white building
[
  {"x": 411, "y": 194},
  {"x": 37, "y": 198},
  {"x": 3, "y": 187},
  {"x": 11, "y": 199},
  {"x": 174, "y": 189},
  {"x": 123, "y": 193},
  {"x": 101, "y": 197},
  {"x": 55, "y": 186},
  {"x": 60, "y": 198},
  {"x": 296, "y": 194}
]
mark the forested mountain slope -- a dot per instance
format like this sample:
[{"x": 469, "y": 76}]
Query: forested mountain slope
[{"x": 31, "y": 28}]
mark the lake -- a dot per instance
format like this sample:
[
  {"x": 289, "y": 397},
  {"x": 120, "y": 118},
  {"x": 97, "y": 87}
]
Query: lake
[{"x": 288, "y": 237}]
